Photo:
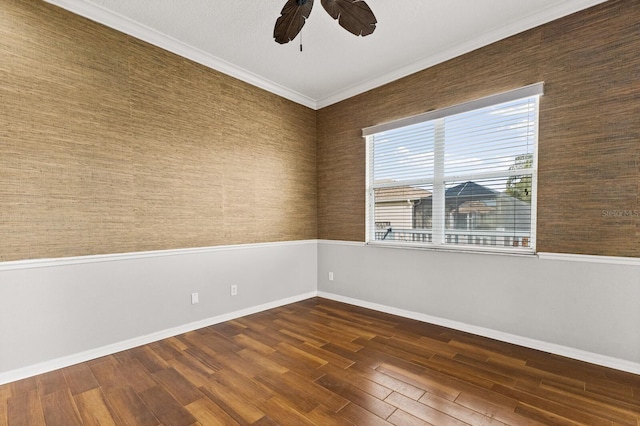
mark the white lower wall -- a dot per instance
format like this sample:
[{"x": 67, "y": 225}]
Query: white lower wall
[
  {"x": 587, "y": 309},
  {"x": 62, "y": 311},
  {"x": 59, "y": 312}
]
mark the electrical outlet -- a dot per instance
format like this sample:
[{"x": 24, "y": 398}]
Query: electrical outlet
[
  {"x": 234, "y": 290},
  {"x": 330, "y": 276},
  {"x": 194, "y": 298}
]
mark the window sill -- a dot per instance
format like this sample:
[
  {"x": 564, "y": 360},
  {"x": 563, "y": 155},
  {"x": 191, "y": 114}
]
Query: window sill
[{"x": 528, "y": 252}]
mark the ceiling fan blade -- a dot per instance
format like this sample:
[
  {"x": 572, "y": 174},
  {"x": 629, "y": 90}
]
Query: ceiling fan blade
[
  {"x": 292, "y": 18},
  {"x": 354, "y": 16}
]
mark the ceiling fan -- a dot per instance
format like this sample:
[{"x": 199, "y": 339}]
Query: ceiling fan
[{"x": 354, "y": 16}]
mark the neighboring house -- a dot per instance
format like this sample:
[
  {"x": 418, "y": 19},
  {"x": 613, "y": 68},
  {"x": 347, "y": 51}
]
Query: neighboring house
[
  {"x": 394, "y": 209},
  {"x": 476, "y": 214}
]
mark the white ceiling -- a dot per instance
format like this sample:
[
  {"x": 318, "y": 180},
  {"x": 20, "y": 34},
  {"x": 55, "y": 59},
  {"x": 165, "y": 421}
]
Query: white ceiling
[{"x": 236, "y": 37}]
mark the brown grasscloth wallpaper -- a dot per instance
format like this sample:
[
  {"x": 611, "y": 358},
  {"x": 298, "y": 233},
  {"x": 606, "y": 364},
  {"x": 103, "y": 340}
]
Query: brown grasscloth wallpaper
[
  {"x": 589, "y": 140},
  {"x": 110, "y": 145}
]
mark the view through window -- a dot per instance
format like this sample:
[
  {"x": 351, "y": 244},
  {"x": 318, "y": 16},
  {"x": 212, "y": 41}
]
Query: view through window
[{"x": 458, "y": 177}]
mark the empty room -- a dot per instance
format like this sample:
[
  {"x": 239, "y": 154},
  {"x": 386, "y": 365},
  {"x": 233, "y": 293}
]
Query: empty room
[{"x": 339, "y": 212}]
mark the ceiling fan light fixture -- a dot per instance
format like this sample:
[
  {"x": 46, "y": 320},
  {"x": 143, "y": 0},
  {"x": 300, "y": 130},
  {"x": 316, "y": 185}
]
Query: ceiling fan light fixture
[
  {"x": 292, "y": 18},
  {"x": 354, "y": 16}
]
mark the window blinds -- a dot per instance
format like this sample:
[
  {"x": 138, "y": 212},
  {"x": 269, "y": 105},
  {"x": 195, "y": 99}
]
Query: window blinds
[{"x": 459, "y": 177}]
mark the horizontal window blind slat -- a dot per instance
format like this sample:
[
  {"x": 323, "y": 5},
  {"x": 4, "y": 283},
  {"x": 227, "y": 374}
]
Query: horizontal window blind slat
[{"x": 457, "y": 180}]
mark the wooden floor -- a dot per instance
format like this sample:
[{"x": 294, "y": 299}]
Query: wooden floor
[{"x": 325, "y": 363}]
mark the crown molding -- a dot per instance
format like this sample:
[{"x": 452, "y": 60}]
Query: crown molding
[
  {"x": 123, "y": 24},
  {"x": 508, "y": 30},
  {"x": 127, "y": 26}
]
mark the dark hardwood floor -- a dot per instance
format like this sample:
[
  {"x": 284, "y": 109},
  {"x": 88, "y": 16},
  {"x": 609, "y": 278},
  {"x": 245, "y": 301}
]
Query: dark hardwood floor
[{"x": 325, "y": 363}]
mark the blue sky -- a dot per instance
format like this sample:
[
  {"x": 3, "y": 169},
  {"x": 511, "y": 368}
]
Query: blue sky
[{"x": 485, "y": 140}]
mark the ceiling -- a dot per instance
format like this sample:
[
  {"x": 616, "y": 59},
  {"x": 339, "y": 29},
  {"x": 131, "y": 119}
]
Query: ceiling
[{"x": 236, "y": 37}]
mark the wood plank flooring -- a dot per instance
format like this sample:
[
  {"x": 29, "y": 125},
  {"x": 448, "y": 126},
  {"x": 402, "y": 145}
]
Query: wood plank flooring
[{"x": 320, "y": 362}]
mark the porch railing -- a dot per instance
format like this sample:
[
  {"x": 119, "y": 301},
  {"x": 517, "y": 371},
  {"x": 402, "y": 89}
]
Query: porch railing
[{"x": 486, "y": 237}]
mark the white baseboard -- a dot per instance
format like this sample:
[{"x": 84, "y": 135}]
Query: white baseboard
[
  {"x": 590, "y": 357},
  {"x": 45, "y": 367},
  {"x": 55, "y": 364}
]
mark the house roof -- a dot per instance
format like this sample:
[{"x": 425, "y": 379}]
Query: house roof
[
  {"x": 475, "y": 207},
  {"x": 400, "y": 193},
  {"x": 470, "y": 190}
]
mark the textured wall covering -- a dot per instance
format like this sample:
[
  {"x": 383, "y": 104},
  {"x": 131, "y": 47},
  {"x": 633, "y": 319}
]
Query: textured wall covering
[
  {"x": 589, "y": 146},
  {"x": 109, "y": 145}
]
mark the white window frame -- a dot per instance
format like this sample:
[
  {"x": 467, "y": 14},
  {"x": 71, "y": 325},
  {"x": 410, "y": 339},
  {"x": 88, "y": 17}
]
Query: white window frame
[{"x": 438, "y": 179}]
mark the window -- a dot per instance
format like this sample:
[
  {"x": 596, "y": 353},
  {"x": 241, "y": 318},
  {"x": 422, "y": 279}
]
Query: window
[{"x": 462, "y": 177}]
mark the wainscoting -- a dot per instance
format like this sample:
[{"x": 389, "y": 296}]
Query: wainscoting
[
  {"x": 60, "y": 312},
  {"x": 583, "y": 307}
]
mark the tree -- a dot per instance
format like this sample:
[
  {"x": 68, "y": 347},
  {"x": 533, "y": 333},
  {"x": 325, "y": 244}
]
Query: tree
[{"x": 520, "y": 186}]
